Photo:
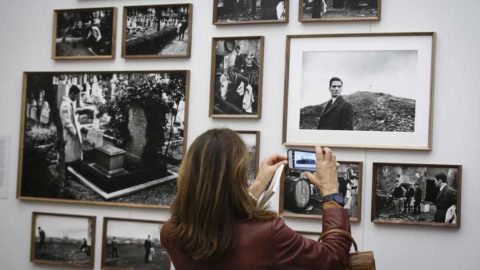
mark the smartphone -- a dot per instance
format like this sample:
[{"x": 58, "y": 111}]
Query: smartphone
[{"x": 302, "y": 160}]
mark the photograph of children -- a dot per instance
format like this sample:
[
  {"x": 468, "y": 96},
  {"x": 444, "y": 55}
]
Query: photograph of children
[
  {"x": 250, "y": 11},
  {"x": 416, "y": 194},
  {"x": 159, "y": 31},
  {"x": 133, "y": 244},
  {"x": 84, "y": 33},
  {"x": 302, "y": 199},
  {"x": 252, "y": 141},
  {"x": 236, "y": 80},
  {"x": 339, "y": 10},
  {"x": 65, "y": 240},
  {"x": 110, "y": 137}
]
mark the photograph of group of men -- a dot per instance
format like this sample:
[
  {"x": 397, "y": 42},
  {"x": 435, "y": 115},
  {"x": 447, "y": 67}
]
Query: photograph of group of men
[{"x": 231, "y": 11}]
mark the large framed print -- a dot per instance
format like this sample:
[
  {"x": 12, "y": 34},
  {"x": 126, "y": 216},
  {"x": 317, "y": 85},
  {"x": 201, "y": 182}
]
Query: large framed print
[
  {"x": 417, "y": 194},
  {"x": 301, "y": 199},
  {"x": 338, "y": 10},
  {"x": 107, "y": 137},
  {"x": 87, "y": 33},
  {"x": 359, "y": 90},
  {"x": 252, "y": 141},
  {"x": 231, "y": 12},
  {"x": 157, "y": 31},
  {"x": 63, "y": 240},
  {"x": 133, "y": 244}
]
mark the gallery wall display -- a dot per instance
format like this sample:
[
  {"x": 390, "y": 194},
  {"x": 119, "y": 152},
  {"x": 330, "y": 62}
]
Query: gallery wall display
[
  {"x": 88, "y": 33},
  {"x": 359, "y": 90},
  {"x": 133, "y": 244},
  {"x": 236, "y": 77},
  {"x": 252, "y": 141},
  {"x": 417, "y": 194},
  {"x": 301, "y": 199},
  {"x": 338, "y": 10},
  {"x": 113, "y": 138},
  {"x": 63, "y": 240},
  {"x": 157, "y": 31},
  {"x": 228, "y": 12}
]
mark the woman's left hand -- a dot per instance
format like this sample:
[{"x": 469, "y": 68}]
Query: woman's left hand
[{"x": 267, "y": 169}]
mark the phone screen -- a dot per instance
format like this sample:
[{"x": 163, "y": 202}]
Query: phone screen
[{"x": 302, "y": 160}]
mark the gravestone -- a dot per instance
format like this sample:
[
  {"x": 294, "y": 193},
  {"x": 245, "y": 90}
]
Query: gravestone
[{"x": 137, "y": 124}]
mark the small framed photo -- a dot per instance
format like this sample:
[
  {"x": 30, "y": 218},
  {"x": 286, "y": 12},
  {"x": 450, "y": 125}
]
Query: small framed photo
[
  {"x": 301, "y": 199},
  {"x": 359, "y": 90},
  {"x": 133, "y": 244},
  {"x": 338, "y": 10},
  {"x": 417, "y": 194},
  {"x": 88, "y": 33},
  {"x": 107, "y": 137},
  {"x": 157, "y": 31},
  {"x": 236, "y": 77},
  {"x": 228, "y": 12},
  {"x": 252, "y": 141},
  {"x": 63, "y": 240}
]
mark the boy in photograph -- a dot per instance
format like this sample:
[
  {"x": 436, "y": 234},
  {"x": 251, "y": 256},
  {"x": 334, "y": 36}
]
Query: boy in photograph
[
  {"x": 42, "y": 235},
  {"x": 147, "y": 246}
]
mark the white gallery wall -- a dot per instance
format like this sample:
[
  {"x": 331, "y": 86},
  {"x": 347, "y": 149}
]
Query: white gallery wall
[{"x": 25, "y": 34}]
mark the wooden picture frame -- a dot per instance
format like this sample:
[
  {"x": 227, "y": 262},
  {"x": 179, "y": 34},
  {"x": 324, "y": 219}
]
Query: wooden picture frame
[
  {"x": 387, "y": 96},
  {"x": 350, "y": 175},
  {"x": 51, "y": 240},
  {"x": 238, "y": 14},
  {"x": 416, "y": 181},
  {"x": 92, "y": 33},
  {"x": 112, "y": 128},
  {"x": 253, "y": 146},
  {"x": 123, "y": 244},
  {"x": 363, "y": 11},
  {"x": 136, "y": 43},
  {"x": 236, "y": 76}
]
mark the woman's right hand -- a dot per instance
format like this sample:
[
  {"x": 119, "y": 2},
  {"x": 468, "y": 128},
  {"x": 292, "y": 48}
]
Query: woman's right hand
[{"x": 325, "y": 178}]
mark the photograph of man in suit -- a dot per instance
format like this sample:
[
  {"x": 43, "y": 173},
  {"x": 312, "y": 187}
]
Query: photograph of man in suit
[
  {"x": 446, "y": 197},
  {"x": 337, "y": 113}
]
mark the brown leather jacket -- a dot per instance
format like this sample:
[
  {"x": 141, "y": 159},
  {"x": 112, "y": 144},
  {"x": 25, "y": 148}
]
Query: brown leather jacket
[{"x": 273, "y": 245}]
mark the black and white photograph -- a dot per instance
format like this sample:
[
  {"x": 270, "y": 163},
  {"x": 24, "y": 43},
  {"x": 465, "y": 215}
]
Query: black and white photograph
[
  {"x": 84, "y": 33},
  {"x": 373, "y": 90},
  {"x": 63, "y": 240},
  {"x": 103, "y": 137},
  {"x": 227, "y": 12},
  {"x": 236, "y": 77},
  {"x": 338, "y": 10},
  {"x": 252, "y": 141},
  {"x": 157, "y": 31},
  {"x": 416, "y": 194},
  {"x": 133, "y": 244},
  {"x": 302, "y": 199}
]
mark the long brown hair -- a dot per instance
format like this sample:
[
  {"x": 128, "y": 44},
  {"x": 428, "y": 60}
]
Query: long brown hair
[{"x": 212, "y": 197}]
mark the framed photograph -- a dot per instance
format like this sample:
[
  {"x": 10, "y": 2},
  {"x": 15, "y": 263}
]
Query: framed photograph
[
  {"x": 88, "y": 33},
  {"x": 113, "y": 138},
  {"x": 157, "y": 31},
  {"x": 63, "y": 240},
  {"x": 252, "y": 141},
  {"x": 417, "y": 194},
  {"x": 359, "y": 90},
  {"x": 228, "y": 12},
  {"x": 338, "y": 10},
  {"x": 133, "y": 244},
  {"x": 236, "y": 77},
  {"x": 303, "y": 200}
]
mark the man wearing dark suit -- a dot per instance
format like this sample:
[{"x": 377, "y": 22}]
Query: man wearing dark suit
[
  {"x": 337, "y": 113},
  {"x": 446, "y": 197},
  {"x": 417, "y": 196}
]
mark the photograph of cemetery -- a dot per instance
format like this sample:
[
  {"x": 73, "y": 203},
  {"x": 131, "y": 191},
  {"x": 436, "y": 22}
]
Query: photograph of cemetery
[{"x": 109, "y": 137}]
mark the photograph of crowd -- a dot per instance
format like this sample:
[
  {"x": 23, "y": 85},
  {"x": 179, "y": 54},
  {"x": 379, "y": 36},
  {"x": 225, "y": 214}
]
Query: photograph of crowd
[
  {"x": 302, "y": 199},
  {"x": 84, "y": 33},
  {"x": 133, "y": 244},
  {"x": 236, "y": 82},
  {"x": 252, "y": 141},
  {"x": 339, "y": 10},
  {"x": 159, "y": 31},
  {"x": 103, "y": 137},
  {"x": 250, "y": 11},
  {"x": 416, "y": 194},
  {"x": 63, "y": 240}
]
